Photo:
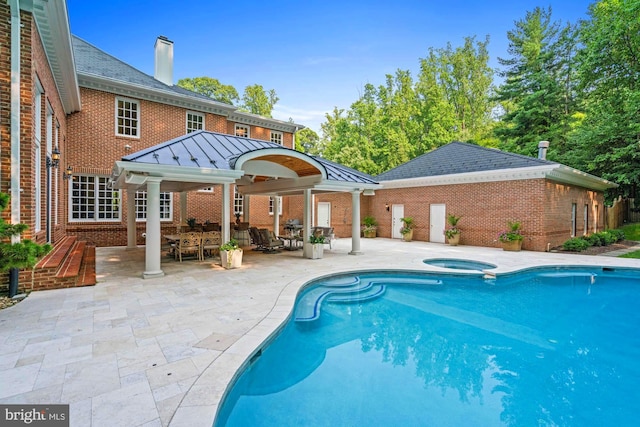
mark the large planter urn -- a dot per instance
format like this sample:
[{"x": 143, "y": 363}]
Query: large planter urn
[
  {"x": 454, "y": 239},
  {"x": 407, "y": 237},
  {"x": 317, "y": 251},
  {"x": 231, "y": 259},
  {"x": 512, "y": 246},
  {"x": 369, "y": 234}
]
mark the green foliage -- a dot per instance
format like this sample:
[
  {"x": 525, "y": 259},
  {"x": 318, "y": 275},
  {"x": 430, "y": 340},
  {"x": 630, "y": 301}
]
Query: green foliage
[
  {"x": 575, "y": 244},
  {"x": 631, "y": 231},
  {"x": 307, "y": 141},
  {"x": 369, "y": 221},
  {"x": 212, "y": 88},
  {"x": 24, "y": 254},
  {"x": 407, "y": 225},
  {"x": 230, "y": 245},
  {"x": 256, "y": 100},
  {"x": 512, "y": 232},
  {"x": 609, "y": 71},
  {"x": 398, "y": 120},
  {"x": 453, "y": 229},
  {"x": 316, "y": 239},
  {"x": 635, "y": 254},
  {"x": 538, "y": 96}
]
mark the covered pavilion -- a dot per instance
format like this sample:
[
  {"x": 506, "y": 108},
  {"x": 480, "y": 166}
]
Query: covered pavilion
[{"x": 202, "y": 158}]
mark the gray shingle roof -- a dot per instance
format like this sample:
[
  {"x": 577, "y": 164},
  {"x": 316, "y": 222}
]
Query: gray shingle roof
[
  {"x": 93, "y": 61},
  {"x": 219, "y": 151},
  {"x": 460, "y": 157}
]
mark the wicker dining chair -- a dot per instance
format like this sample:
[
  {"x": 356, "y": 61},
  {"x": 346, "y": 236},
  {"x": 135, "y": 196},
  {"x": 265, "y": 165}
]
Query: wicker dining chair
[{"x": 189, "y": 243}]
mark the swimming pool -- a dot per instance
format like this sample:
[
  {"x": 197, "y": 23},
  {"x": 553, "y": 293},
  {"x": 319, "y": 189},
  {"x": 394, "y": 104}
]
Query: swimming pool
[
  {"x": 550, "y": 346},
  {"x": 459, "y": 264}
]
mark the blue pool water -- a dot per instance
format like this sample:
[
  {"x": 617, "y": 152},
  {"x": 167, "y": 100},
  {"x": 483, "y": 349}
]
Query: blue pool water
[
  {"x": 459, "y": 264},
  {"x": 554, "y": 346}
]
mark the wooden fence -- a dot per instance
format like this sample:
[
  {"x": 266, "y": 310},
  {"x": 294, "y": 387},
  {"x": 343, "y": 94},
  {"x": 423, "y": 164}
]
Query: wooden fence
[{"x": 623, "y": 211}]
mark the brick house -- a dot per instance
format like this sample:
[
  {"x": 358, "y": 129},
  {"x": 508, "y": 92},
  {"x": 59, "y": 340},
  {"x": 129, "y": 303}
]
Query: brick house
[
  {"x": 69, "y": 111},
  {"x": 488, "y": 188}
]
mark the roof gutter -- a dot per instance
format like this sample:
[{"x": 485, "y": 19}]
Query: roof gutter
[{"x": 15, "y": 115}]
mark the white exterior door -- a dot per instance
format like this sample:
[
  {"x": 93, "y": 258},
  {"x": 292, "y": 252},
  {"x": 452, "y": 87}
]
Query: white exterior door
[
  {"x": 437, "y": 223},
  {"x": 397, "y": 212},
  {"x": 324, "y": 214}
]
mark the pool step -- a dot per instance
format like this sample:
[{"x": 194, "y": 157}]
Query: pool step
[
  {"x": 349, "y": 289},
  {"x": 343, "y": 289}
]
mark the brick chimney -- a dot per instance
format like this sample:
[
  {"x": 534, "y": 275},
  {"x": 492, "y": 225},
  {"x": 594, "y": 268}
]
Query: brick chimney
[
  {"x": 542, "y": 149},
  {"x": 164, "y": 60}
]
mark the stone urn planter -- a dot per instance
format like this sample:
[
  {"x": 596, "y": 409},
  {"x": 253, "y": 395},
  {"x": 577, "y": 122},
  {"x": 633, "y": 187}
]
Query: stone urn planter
[
  {"x": 407, "y": 236},
  {"x": 454, "y": 239},
  {"x": 317, "y": 251},
  {"x": 512, "y": 246},
  {"x": 231, "y": 255},
  {"x": 369, "y": 234}
]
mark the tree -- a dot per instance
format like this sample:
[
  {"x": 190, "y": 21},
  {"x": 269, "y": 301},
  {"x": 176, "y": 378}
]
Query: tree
[
  {"x": 14, "y": 256},
  {"x": 258, "y": 101},
  {"x": 465, "y": 79},
  {"x": 308, "y": 142},
  {"x": 539, "y": 84},
  {"x": 212, "y": 88},
  {"x": 608, "y": 138}
]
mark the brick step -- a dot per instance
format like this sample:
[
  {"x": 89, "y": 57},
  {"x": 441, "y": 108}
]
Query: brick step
[
  {"x": 87, "y": 275},
  {"x": 73, "y": 261},
  {"x": 56, "y": 257}
]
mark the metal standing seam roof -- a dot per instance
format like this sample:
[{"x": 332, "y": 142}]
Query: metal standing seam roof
[
  {"x": 460, "y": 157},
  {"x": 204, "y": 149}
]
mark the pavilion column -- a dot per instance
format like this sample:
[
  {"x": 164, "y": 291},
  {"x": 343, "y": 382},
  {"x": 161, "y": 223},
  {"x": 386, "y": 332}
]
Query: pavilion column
[
  {"x": 276, "y": 215},
  {"x": 306, "y": 223},
  {"x": 131, "y": 219},
  {"x": 355, "y": 223},
  {"x": 152, "y": 245},
  {"x": 246, "y": 206},
  {"x": 183, "y": 210},
  {"x": 226, "y": 208}
]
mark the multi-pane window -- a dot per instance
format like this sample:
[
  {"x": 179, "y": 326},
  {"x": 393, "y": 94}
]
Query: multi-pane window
[
  {"x": 242, "y": 130},
  {"x": 585, "y": 229},
  {"x": 127, "y": 117},
  {"x": 206, "y": 190},
  {"x": 93, "y": 200},
  {"x": 574, "y": 214},
  {"x": 195, "y": 121},
  {"x": 166, "y": 211},
  {"x": 279, "y": 205},
  {"x": 238, "y": 202},
  {"x": 276, "y": 137}
]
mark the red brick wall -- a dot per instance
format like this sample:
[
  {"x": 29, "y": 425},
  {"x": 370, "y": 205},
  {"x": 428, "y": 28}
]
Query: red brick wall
[
  {"x": 543, "y": 207},
  {"x": 93, "y": 147},
  {"x": 5, "y": 101}
]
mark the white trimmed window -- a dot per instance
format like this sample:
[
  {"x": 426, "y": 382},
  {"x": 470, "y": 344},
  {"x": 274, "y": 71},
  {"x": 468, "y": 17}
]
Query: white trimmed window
[
  {"x": 276, "y": 137},
  {"x": 37, "y": 176},
  {"x": 585, "y": 229},
  {"x": 279, "y": 205},
  {"x": 242, "y": 130},
  {"x": 206, "y": 190},
  {"x": 238, "y": 202},
  {"x": 127, "y": 117},
  {"x": 93, "y": 200},
  {"x": 195, "y": 121},
  {"x": 574, "y": 219},
  {"x": 166, "y": 206}
]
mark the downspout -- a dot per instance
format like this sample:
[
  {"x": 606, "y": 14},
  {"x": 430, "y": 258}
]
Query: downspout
[{"x": 15, "y": 115}]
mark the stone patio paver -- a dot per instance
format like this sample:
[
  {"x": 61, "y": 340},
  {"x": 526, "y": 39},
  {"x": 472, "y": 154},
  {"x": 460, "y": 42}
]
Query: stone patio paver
[{"x": 160, "y": 352}]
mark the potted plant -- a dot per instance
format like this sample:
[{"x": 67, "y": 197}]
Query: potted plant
[
  {"x": 512, "y": 237},
  {"x": 191, "y": 222},
  {"x": 369, "y": 227},
  {"x": 231, "y": 254},
  {"x": 453, "y": 232},
  {"x": 407, "y": 228},
  {"x": 317, "y": 246},
  {"x": 16, "y": 256}
]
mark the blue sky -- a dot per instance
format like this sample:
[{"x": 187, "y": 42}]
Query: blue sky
[{"x": 315, "y": 54}]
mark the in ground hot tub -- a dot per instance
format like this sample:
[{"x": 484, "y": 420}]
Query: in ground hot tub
[{"x": 459, "y": 264}]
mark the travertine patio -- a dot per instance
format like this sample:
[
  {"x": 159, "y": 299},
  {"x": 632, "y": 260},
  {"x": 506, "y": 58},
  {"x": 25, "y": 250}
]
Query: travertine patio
[{"x": 158, "y": 352}]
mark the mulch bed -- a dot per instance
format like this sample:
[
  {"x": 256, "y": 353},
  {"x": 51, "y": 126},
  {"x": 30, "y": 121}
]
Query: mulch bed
[{"x": 597, "y": 250}]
